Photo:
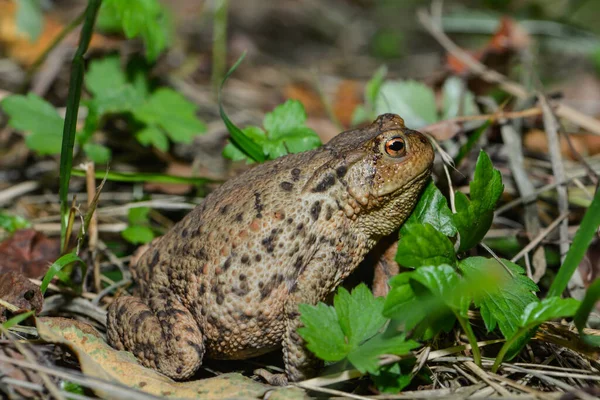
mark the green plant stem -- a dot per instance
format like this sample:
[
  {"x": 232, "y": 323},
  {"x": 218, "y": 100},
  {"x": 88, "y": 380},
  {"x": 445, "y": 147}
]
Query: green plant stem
[
  {"x": 55, "y": 42},
  {"x": 466, "y": 326},
  {"x": 73, "y": 99},
  {"x": 581, "y": 242},
  {"x": 219, "y": 53},
  {"x": 506, "y": 346}
]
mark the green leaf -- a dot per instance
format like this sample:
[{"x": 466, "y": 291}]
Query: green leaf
[
  {"x": 152, "y": 136},
  {"x": 433, "y": 209},
  {"x": 296, "y": 141},
  {"x": 359, "y": 313},
  {"x": 284, "y": 118},
  {"x": 414, "y": 101},
  {"x": 592, "y": 295},
  {"x": 392, "y": 378},
  {"x": 12, "y": 223},
  {"x": 56, "y": 267},
  {"x": 457, "y": 100},
  {"x": 104, "y": 75},
  {"x": 422, "y": 244},
  {"x": 97, "y": 153},
  {"x": 366, "y": 357},
  {"x": 581, "y": 242},
  {"x": 17, "y": 319},
  {"x": 138, "y": 215},
  {"x": 473, "y": 218},
  {"x": 173, "y": 113},
  {"x": 142, "y": 18},
  {"x": 138, "y": 234},
  {"x": 322, "y": 332},
  {"x": 30, "y": 19},
  {"x": 33, "y": 114},
  {"x": 550, "y": 308},
  {"x": 333, "y": 333},
  {"x": 503, "y": 304}
]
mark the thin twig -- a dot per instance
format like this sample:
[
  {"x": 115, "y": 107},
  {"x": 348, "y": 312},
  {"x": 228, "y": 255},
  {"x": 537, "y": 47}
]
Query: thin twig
[{"x": 539, "y": 237}]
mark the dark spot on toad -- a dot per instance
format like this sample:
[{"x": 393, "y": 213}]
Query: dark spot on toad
[
  {"x": 245, "y": 258},
  {"x": 273, "y": 283},
  {"x": 223, "y": 210},
  {"x": 239, "y": 217},
  {"x": 295, "y": 174},
  {"x": 341, "y": 171},
  {"x": 315, "y": 210},
  {"x": 290, "y": 220},
  {"x": 227, "y": 264},
  {"x": 242, "y": 277},
  {"x": 312, "y": 239},
  {"x": 258, "y": 205},
  {"x": 328, "y": 213},
  {"x": 287, "y": 186},
  {"x": 258, "y": 257},
  {"x": 184, "y": 233},
  {"x": 300, "y": 226},
  {"x": 327, "y": 182}
]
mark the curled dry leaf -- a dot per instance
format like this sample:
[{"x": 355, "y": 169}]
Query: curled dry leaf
[
  {"x": 17, "y": 290},
  {"x": 98, "y": 359},
  {"x": 29, "y": 252}
]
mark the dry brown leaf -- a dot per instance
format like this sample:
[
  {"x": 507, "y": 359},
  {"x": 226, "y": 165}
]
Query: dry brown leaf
[
  {"x": 29, "y": 252},
  {"x": 18, "y": 46},
  {"x": 307, "y": 96},
  {"x": 98, "y": 359},
  {"x": 587, "y": 145},
  {"x": 347, "y": 98}
]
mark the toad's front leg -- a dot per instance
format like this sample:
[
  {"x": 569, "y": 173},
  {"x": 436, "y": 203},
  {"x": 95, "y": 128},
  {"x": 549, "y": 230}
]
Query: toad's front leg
[{"x": 159, "y": 331}]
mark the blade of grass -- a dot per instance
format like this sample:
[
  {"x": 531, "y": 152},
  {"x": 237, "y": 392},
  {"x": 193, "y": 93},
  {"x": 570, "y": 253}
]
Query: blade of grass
[
  {"x": 59, "y": 264},
  {"x": 73, "y": 99},
  {"x": 581, "y": 242},
  {"x": 583, "y": 312},
  {"x": 17, "y": 319},
  {"x": 239, "y": 138},
  {"x": 144, "y": 177}
]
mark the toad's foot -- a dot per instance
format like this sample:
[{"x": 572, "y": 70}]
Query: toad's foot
[
  {"x": 159, "y": 331},
  {"x": 271, "y": 378}
]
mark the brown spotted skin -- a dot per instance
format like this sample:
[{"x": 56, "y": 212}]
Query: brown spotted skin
[{"x": 226, "y": 281}]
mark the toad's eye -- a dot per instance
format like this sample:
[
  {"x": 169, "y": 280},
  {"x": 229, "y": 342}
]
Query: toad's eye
[{"x": 395, "y": 147}]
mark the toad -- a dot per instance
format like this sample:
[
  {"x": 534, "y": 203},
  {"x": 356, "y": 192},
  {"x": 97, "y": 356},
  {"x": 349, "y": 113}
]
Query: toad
[{"x": 226, "y": 281}]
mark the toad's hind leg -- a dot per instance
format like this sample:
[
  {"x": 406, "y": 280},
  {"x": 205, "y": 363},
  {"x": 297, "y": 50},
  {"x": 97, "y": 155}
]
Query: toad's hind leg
[{"x": 159, "y": 331}]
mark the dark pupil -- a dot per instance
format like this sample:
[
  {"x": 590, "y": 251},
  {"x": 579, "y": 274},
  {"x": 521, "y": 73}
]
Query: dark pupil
[
  {"x": 28, "y": 295},
  {"x": 396, "y": 145}
]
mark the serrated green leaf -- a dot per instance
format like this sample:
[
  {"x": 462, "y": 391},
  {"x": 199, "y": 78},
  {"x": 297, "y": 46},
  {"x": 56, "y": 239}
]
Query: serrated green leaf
[
  {"x": 366, "y": 357},
  {"x": 152, "y": 136},
  {"x": 284, "y": 118},
  {"x": 142, "y": 18},
  {"x": 33, "y": 114},
  {"x": 473, "y": 218},
  {"x": 359, "y": 313},
  {"x": 433, "y": 209},
  {"x": 322, "y": 332},
  {"x": 503, "y": 304},
  {"x": 548, "y": 309},
  {"x": 457, "y": 99},
  {"x": 138, "y": 215},
  {"x": 295, "y": 141},
  {"x": 97, "y": 153},
  {"x": 414, "y": 101},
  {"x": 422, "y": 244},
  {"x": 12, "y": 223},
  {"x": 173, "y": 113},
  {"x": 104, "y": 75},
  {"x": 138, "y": 234},
  {"x": 30, "y": 19}
]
